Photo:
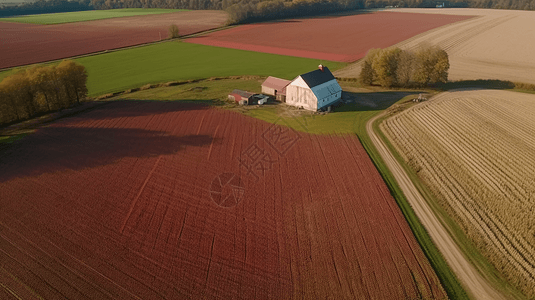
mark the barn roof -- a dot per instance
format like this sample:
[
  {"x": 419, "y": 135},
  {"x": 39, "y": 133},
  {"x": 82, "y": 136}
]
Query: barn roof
[
  {"x": 242, "y": 93},
  {"x": 317, "y": 77},
  {"x": 275, "y": 83}
]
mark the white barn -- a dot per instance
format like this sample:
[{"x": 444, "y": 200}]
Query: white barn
[{"x": 314, "y": 90}]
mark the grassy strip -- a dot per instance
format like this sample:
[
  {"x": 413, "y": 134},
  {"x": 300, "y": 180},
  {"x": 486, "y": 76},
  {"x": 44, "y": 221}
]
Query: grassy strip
[
  {"x": 130, "y": 68},
  {"x": 456, "y": 232},
  {"x": 88, "y": 15},
  {"x": 205, "y": 90}
]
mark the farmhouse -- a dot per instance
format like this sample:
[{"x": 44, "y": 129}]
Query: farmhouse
[
  {"x": 314, "y": 90},
  {"x": 276, "y": 87}
]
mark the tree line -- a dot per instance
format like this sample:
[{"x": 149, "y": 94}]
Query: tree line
[
  {"x": 45, "y": 7},
  {"x": 41, "y": 89},
  {"x": 245, "y": 11},
  {"x": 393, "y": 67}
]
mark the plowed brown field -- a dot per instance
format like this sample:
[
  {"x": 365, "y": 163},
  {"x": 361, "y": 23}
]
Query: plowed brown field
[
  {"x": 118, "y": 203},
  {"x": 338, "y": 38},
  {"x": 22, "y": 44}
]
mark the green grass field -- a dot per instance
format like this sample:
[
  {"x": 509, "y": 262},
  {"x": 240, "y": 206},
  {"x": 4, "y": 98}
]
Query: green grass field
[
  {"x": 89, "y": 15},
  {"x": 117, "y": 71},
  {"x": 131, "y": 68}
]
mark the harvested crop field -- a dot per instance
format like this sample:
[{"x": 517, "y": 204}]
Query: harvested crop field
[
  {"x": 475, "y": 150},
  {"x": 22, "y": 44},
  {"x": 496, "y": 44},
  {"x": 343, "y": 38},
  {"x": 155, "y": 200}
]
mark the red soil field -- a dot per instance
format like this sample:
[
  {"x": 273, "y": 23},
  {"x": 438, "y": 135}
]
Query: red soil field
[
  {"x": 22, "y": 44},
  {"x": 337, "y": 38},
  {"x": 118, "y": 203}
]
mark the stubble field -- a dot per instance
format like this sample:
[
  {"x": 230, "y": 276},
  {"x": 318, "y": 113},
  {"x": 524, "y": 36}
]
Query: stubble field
[
  {"x": 22, "y": 44},
  {"x": 343, "y": 38},
  {"x": 495, "y": 44},
  {"x": 122, "y": 202},
  {"x": 474, "y": 149}
]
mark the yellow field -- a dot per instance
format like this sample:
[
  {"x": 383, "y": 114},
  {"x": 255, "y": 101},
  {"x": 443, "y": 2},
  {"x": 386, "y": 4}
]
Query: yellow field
[
  {"x": 496, "y": 44},
  {"x": 476, "y": 151}
]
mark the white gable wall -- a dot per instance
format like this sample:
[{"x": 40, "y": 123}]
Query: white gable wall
[
  {"x": 300, "y": 82},
  {"x": 299, "y": 94}
]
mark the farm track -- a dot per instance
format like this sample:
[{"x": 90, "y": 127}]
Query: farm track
[
  {"x": 473, "y": 156},
  {"x": 115, "y": 203},
  {"x": 474, "y": 283}
]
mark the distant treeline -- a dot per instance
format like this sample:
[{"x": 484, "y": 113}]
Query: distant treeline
[
  {"x": 45, "y": 7},
  {"x": 244, "y": 11},
  {"x": 41, "y": 89}
]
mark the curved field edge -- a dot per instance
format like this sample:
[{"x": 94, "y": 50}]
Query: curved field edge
[
  {"x": 484, "y": 267},
  {"x": 88, "y": 15}
]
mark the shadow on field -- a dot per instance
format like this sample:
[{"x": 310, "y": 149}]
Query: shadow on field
[
  {"x": 135, "y": 108},
  {"x": 345, "y": 13},
  {"x": 63, "y": 146},
  {"x": 59, "y": 148},
  {"x": 370, "y": 101},
  {"x": 279, "y": 21},
  {"x": 481, "y": 84}
]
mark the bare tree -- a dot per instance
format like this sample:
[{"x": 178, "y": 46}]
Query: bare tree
[{"x": 173, "y": 32}]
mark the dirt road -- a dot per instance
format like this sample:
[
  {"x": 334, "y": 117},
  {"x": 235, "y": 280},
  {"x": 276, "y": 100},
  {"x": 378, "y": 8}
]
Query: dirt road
[{"x": 475, "y": 285}]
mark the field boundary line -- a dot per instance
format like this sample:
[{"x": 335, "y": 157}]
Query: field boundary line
[
  {"x": 477, "y": 286},
  {"x": 191, "y": 35}
]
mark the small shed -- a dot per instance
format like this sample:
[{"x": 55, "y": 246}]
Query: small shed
[
  {"x": 314, "y": 90},
  {"x": 238, "y": 95},
  {"x": 275, "y": 87}
]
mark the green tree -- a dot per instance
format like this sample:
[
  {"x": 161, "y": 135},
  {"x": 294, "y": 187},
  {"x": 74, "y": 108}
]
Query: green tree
[
  {"x": 441, "y": 66},
  {"x": 367, "y": 73},
  {"x": 57, "y": 88},
  {"x": 40, "y": 79},
  {"x": 6, "y": 112},
  {"x": 73, "y": 76},
  {"x": 17, "y": 88},
  {"x": 11, "y": 107},
  {"x": 405, "y": 68},
  {"x": 432, "y": 65},
  {"x": 385, "y": 65}
]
